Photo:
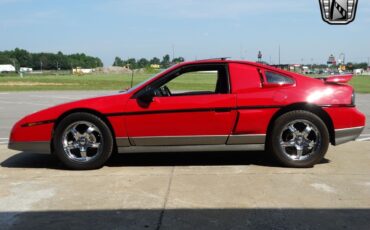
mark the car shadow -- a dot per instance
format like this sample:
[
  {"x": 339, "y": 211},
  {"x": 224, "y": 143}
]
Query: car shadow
[
  {"x": 36, "y": 160},
  {"x": 207, "y": 219}
]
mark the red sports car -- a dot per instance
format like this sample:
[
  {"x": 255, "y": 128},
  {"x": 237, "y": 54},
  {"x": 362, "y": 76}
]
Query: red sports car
[{"x": 217, "y": 105}]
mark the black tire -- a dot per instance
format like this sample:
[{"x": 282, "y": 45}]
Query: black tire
[
  {"x": 279, "y": 129},
  {"x": 105, "y": 148}
]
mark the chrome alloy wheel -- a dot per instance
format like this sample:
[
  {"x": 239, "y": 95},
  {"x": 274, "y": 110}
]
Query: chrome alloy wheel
[
  {"x": 299, "y": 139},
  {"x": 82, "y": 141}
]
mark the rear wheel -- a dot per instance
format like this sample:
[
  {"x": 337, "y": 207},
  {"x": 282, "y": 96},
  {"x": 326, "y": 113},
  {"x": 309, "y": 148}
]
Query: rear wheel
[
  {"x": 299, "y": 139},
  {"x": 83, "y": 141}
]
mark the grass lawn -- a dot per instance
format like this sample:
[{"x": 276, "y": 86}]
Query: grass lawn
[
  {"x": 70, "y": 82},
  {"x": 120, "y": 82}
]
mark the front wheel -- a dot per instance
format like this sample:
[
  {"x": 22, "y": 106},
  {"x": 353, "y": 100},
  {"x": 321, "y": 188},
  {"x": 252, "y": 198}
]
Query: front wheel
[
  {"x": 299, "y": 139},
  {"x": 83, "y": 141}
]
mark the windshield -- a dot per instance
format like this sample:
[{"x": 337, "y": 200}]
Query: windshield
[{"x": 146, "y": 81}]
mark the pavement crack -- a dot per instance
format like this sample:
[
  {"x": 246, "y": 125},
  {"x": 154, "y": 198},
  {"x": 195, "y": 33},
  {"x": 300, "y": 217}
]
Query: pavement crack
[{"x": 159, "y": 224}]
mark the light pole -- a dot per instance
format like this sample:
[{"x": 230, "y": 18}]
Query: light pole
[
  {"x": 342, "y": 57},
  {"x": 259, "y": 56},
  {"x": 173, "y": 52}
]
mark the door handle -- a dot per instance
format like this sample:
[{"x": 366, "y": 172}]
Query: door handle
[{"x": 222, "y": 110}]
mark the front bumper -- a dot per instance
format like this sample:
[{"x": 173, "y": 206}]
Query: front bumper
[
  {"x": 348, "y": 134},
  {"x": 32, "y": 146}
]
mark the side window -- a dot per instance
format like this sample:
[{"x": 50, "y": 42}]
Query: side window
[
  {"x": 276, "y": 78},
  {"x": 197, "y": 81}
]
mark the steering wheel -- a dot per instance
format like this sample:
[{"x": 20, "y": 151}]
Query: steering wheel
[
  {"x": 165, "y": 91},
  {"x": 158, "y": 92}
]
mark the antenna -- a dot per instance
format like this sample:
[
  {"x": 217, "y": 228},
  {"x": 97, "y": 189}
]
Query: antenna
[
  {"x": 132, "y": 78},
  {"x": 220, "y": 58}
]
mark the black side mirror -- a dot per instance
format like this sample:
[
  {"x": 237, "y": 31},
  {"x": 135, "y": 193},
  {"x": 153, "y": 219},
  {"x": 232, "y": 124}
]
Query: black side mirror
[{"x": 147, "y": 95}]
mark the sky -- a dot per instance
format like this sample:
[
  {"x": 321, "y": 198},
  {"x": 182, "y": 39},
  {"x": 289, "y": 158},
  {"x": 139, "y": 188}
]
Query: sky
[{"x": 194, "y": 29}]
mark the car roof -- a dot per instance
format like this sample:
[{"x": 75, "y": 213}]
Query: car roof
[{"x": 222, "y": 60}]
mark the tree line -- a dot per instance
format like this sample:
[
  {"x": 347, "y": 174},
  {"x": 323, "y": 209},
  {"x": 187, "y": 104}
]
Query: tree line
[
  {"x": 48, "y": 61},
  {"x": 133, "y": 63}
]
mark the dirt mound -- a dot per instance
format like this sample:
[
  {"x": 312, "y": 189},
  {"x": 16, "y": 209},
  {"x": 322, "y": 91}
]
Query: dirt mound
[{"x": 113, "y": 69}]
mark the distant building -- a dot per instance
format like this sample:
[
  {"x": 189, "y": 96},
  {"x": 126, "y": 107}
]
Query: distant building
[
  {"x": 155, "y": 66},
  {"x": 331, "y": 60},
  {"x": 80, "y": 71},
  {"x": 7, "y": 68},
  {"x": 25, "y": 70}
]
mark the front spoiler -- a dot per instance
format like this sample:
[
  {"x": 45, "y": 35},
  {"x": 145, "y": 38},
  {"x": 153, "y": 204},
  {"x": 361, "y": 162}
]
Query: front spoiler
[
  {"x": 346, "y": 135},
  {"x": 32, "y": 146}
]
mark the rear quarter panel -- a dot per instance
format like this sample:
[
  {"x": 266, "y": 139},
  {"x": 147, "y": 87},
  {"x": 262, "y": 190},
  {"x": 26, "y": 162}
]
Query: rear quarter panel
[{"x": 257, "y": 104}]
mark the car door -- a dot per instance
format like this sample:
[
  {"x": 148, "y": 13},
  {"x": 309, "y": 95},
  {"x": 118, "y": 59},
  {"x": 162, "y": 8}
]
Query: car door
[{"x": 197, "y": 110}]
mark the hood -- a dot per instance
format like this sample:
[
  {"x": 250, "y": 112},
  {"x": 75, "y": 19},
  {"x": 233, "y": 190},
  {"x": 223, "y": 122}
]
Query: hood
[{"x": 102, "y": 104}]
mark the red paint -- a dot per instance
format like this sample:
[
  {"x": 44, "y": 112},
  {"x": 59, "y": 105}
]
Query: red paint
[
  {"x": 251, "y": 103},
  {"x": 339, "y": 78}
]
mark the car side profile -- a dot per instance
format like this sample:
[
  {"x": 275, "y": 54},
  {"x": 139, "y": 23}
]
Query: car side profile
[{"x": 208, "y": 105}]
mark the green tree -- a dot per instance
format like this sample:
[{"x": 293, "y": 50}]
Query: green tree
[
  {"x": 178, "y": 60},
  {"x": 142, "y": 63},
  {"x": 155, "y": 61},
  {"x": 118, "y": 62},
  {"x": 165, "y": 61}
]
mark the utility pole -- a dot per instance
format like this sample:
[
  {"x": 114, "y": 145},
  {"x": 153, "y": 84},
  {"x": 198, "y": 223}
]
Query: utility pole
[
  {"x": 41, "y": 66},
  {"x": 259, "y": 56},
  {"x": 173, "y": 52}
]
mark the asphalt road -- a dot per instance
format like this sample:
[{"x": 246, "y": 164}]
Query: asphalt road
[{"x": 222, "y": 190}]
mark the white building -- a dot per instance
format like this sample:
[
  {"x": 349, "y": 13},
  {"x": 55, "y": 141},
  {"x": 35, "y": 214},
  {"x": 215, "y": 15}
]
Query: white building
[
  {"x": 7, "y": 68},
  {"x": 25, "y": 69}
]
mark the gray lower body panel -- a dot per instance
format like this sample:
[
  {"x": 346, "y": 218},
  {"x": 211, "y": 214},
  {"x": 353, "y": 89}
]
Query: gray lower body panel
[
  {"x": 179, "y": 140},
  {"x": 191, "y": 148},
  {"x": 346, "y": 135},
  {"x": 35, "y": 146},
  {"x": 249, "y": 142},
  {"x": 246, "y": 139}
]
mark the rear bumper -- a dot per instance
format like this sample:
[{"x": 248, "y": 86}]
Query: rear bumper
[
  {"x": 348, "y": 123},
  {"x": 348, "y": 134},
  {"x": 32, "y": 146}
]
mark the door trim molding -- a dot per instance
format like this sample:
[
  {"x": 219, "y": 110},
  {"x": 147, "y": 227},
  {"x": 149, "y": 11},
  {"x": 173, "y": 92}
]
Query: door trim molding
[
  {"x": 246, "y": 139},
  {"x": 179, "y": 140},
  {"x": 191, "y": 148},
  {"x": 241, "y": 139}
]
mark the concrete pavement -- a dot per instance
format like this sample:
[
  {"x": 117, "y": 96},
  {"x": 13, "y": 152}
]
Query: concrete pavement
[{"x": 187, "y": 191}]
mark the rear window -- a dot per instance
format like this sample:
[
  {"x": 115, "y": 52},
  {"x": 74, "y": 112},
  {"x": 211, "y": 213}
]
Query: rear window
[{"x": 276, "y": 78}]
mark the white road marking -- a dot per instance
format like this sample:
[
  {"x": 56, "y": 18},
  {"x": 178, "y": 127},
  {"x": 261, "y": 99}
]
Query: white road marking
[
  {"x": 56, "y": 97},
  {"x": 4, "y": 138},
  {"x": 4, "y": 93},
  {"x": 364, "y": 139},
  {"x": 323, "y": 187},
  {"x": 23, "y": 103}
]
